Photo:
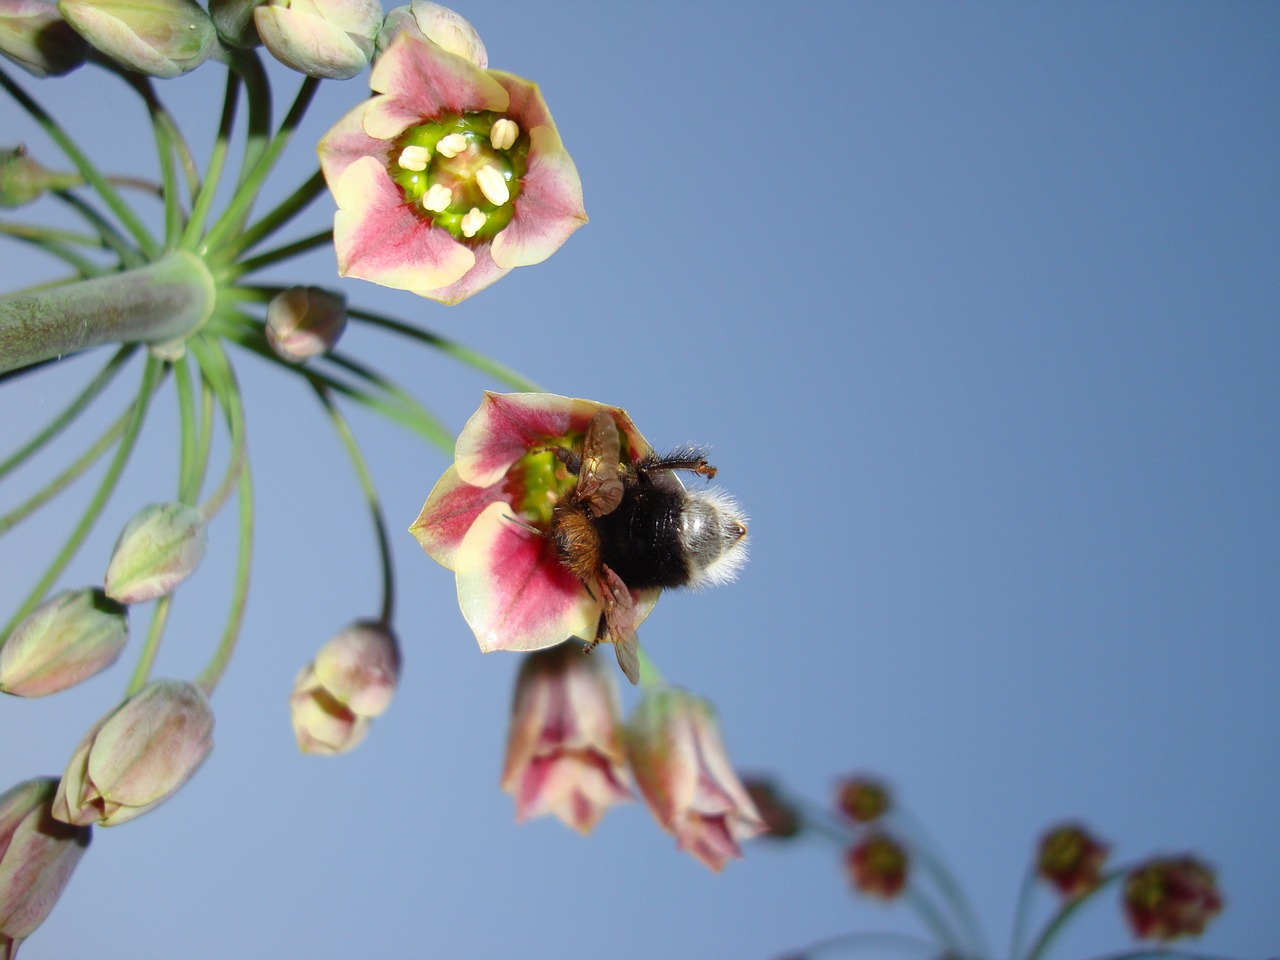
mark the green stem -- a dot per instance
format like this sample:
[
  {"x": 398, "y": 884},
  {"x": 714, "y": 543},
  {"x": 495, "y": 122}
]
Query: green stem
[
  {"x": 288, "y": 251},
  {"x": 1160, "y": 953},
  {"x": 187, "y": 432},
  {"x": 289, "y": 208},
  {"x": 923, "y": 847},
  {"x": 162, "y": 301},
  {"x": 932, "y": 918},
  {"x": 1066, "y": 911},
  {"x": 150, "y": 648},
  {"x": 258, "y": 93},
  {"x": 108, "y": 193},
  {"x": 150, "y": 375},
  {"x": 83, "y": 266},
  {"x": 873, "y": 943},
  {"x": 371, "y": 499},
  {"x": 112, "y": 239},
  {"x": 217, "y": 162},
  {"x": 650, "y": 677},
  {"x": 1022, "y": 913},
  {"x": 168, "y": 141},
  {"x": 68, "y": 476},
  {"x": 430, "y": 422},
  {"x": 59, "y": 423},
  {"x": 37, "y": 234},
  {"x": 818, "y": 819}
]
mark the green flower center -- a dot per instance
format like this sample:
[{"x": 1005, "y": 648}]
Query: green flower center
[
  {"x": 463, "y": 172},
  {"x": 537, "y": 481}
]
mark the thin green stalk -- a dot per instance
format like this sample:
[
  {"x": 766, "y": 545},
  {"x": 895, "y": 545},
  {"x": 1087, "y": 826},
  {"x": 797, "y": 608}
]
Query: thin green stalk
[
  {"x": 471, "y": 358},
  {"x": 205, "y": 442},
  {"x": 219, "y": 374},
  {"x": 150, "y": 375},
  {"x": 82, "y": 265},
  {"x": 873, "y": 943},
  {"x": 285, "y": 211},
  {"x": 168, "y": 141},
  {"x": 203, "y": 202},
  {"x": 68, "y": 476},
  {"x": 932, "y": 918},
  {"x": 233, "y": 217},
  {"x": 187, "y": 432},
  {"x": 38, "y": 234},
  {"x": 160, "y": 116},
  {"x": 151, "y": 647},
  {"x": 1160, "y": 953},
  {"x": 818, "y": 819},
  {"x": 1067, "y": 911},
  {"x": 112, "y": 239},
  {"x": 1022, "y": 912},
  {"x": 288, "y": 251},
  {"x": 923, "y": 847},
  {"x": 248, "y": 66},
  {"x": 59, "y": 423},
  {"x": 650, "y": 677},
  {"x": 87, "y": 170},
  {"x": 371, "y": 499},
  {"x": 392, "y": 389}
]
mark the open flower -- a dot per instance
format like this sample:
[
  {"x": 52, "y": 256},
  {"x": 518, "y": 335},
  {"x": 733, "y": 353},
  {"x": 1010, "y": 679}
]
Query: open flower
[
  {"x": 564, "y": 750},
  {"x": 483, "y": 517},
  {"x": 681, "y": 766},
  {"x": 449, "y": 178}
]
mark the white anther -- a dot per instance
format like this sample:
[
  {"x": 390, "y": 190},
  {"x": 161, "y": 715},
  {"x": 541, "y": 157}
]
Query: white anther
[
  {"x": 471, "y": 223},
  {"x": 451, "y": 145},
  {"x": 503, "y": 134},
  {"x": 493, "y": 185},
  {"x": 438, "y": 198},
  {"x": 414, "y": 157}
]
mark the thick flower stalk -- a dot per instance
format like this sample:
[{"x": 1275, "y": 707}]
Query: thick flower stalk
[{"x": 449, "y": 178}]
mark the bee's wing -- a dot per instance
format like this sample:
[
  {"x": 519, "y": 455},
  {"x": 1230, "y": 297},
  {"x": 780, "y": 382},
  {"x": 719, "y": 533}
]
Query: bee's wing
[
  {"x": 599, "y": 479},
  {"x": 620, "y": 617}
]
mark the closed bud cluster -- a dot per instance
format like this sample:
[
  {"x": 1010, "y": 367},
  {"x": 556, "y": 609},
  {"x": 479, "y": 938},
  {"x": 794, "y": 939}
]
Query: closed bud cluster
[
  {"x": 1171, "y": 897},
  {"x": 877, "y": 866},
  {"x": 159, "y": 38},
  {"x": 862, "y": 799},
  {"x": 35, "y": 37},
  {"x": 321, "y": 38},
  {"x": 67, "y": 639},
  {"x": 136, "y": 756},
  {"x": 1071, "y": 859},
  {"x": 159, "y": 548},
  {"x": 304, "y": 322},
  {"x": 349, "y": 683}
]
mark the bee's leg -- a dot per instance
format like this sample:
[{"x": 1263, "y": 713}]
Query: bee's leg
[
  {"x": 601, "y": 627},
  {"x": 686, "y": 458}
]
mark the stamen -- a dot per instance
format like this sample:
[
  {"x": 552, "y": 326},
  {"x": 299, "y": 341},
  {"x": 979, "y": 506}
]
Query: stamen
[
  {"x": 438, "y": 198},
  {"x": 471, "y": 223},
  {"x": 503, "y": 134},
  {"x": 452, "y": 145},
  {"x": 414, "y": 158},
  {"x": 493, "y": 185}
]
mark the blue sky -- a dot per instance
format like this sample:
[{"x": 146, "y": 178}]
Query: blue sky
[{"x": 976, "y": 305}]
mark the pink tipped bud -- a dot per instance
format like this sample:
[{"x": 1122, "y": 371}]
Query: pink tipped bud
[
  {"x": 159, "y": 548},
  {"x": 564, "y": 746},
  {"x": 681, "y": 766},
  {"x": 351, "y": 681},
  {"x": 68, "y": 638},
  {"x": 862, "y": 799},
  {"x": 35, "y": 37},
  {"x": 446, "y": 29},
  {"x": 877, "y": 866},
  {"x": 304, "y": 322},
  {"x": 321, "y": 38},
  {"x": 37, "y": 857},
  {"x": 1071, "y": 859},
  {"x": 137, "y": 756},
  {"x": 159, "y": 38},
  {"x": 1171, "y": 897}
]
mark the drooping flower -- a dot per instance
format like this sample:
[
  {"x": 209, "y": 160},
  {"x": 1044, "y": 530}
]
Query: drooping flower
[
  {"x": 137, "y": 756},
  {"x": 444, "y": 27},
  {"x": 513, "y": 589},
  {"x": 564, "y": 748},
  {"x": 321, "y": 38},
  {"x": 877, "y": 866},
  {"x": 159, "y": 38},
  {"x": 1071, "y": 859},
  {"x": 680, "y": 764},
  {"x": 862, "y": 799},
  {"x": 37, "y": 857},
  {"x": 1170, "y": 897},
  {"x": 449, "y": 178},
  {"x": 35, "y": 37},
  {"x": 349, "y": 683},
  {"x": 158, "y": 548},
  {"x": 68, "y": 638},
  {"x": 304, "y": 322}
]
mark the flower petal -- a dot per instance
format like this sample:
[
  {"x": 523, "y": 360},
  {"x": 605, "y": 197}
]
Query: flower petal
[
  {"x": 451, "y": 508},
  {"x": 379, "y": 238},
  {"x": 513, "y": 591},
  {"x": 549, "y": 206},
  {"x": 474, "y": 280},
  {"x": 420, "y": 81},
  {"x": 346, "y": 142}
]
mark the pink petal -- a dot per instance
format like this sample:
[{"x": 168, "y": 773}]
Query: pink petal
[
  {"x": 526, "y": 105},
  {"x": 474, "y": 280},
  {"x": 346, "y": 142},
  {"x": 379, "y": 238},
  {"x": 420, "y": 81},
  {"x": 509, "y": 425},
  {"x": 548, "y": 208},
  {"x": 451, "y": 508},
  {"x": 514, "y": 593},
  {"x": 709, "y": 839}
]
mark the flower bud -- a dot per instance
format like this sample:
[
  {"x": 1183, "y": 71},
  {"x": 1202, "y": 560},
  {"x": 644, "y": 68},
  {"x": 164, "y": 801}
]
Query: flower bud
[
  {"x": 680, "y": 764},
  {"x": 1171, "y": 897},
  {"x": 233, "y": 20},
  {"x": 862, "y": 799},
  {"x": 781, "y": 819},
  {"x": 304, "y": 322},
  {"x": 160, "y": 38},
  {"x": 564, "y": 747},
  {"x": 877, "y": 866},
  {"x": 136, "y": 756},
  {"x": 35, "y": 37},
  {"x": 351, "y": 681},
  {"x": 68, "y": 638},
  {"x": 159, "y": 548},
  {"x": 1071, "y": 859},
  {"x": 446, "y": 29},
  {"x": 37, "y": 857},
  {"x": 321, "y": 38},
  {"x": 24, "y": 179}
]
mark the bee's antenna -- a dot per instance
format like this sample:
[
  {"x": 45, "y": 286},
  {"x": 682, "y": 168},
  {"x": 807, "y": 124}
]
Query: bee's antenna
[{"x": 520, "y": 523}]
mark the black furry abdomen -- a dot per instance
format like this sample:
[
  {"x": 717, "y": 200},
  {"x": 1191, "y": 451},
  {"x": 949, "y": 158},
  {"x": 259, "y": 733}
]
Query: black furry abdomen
[{"x": 640, "y": 540}]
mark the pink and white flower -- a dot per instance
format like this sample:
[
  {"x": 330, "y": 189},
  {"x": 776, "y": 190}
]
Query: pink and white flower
[
  {"x": 450, "y": 177},
  {"x": 564, "y": 749},
  {"x": 483, "y": 519}
]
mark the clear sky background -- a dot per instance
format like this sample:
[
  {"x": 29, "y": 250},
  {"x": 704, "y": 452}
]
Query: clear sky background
[{"x": 976, "y": 304}]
